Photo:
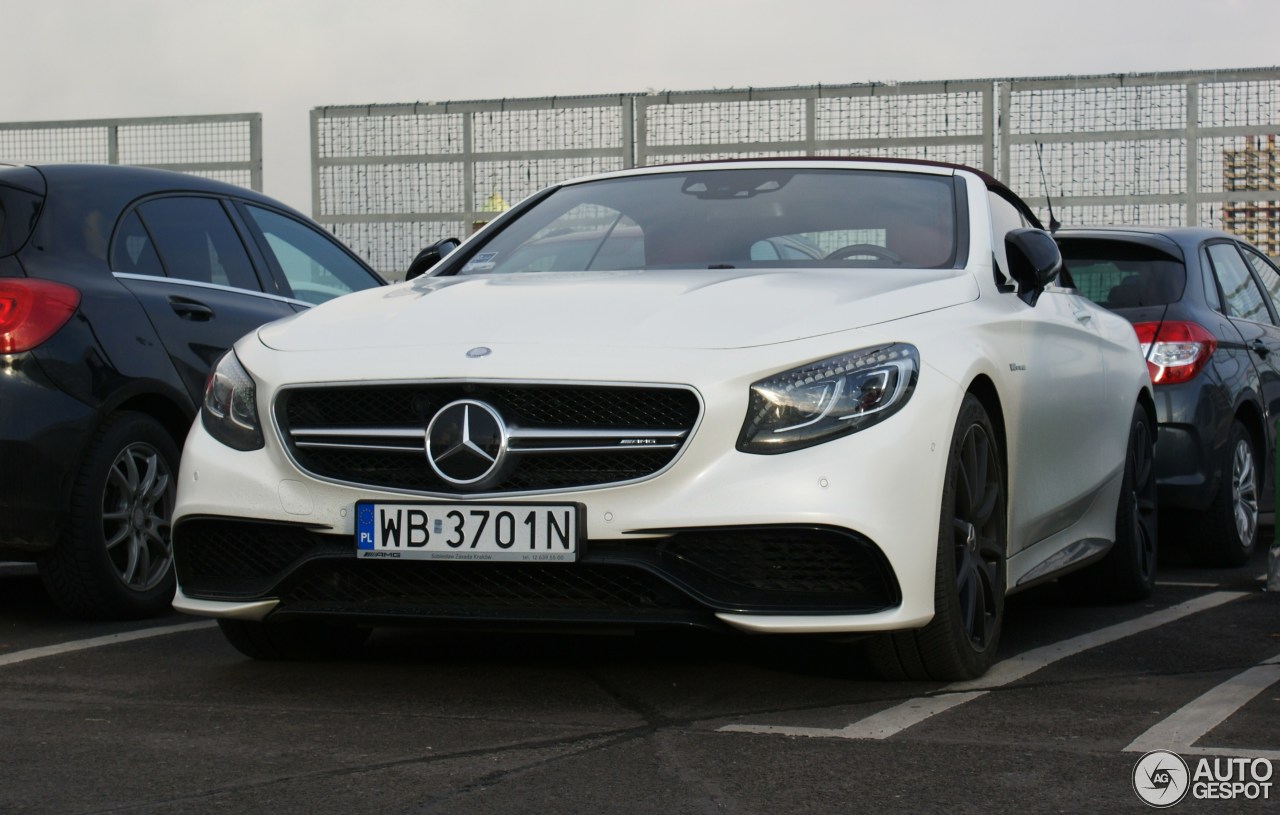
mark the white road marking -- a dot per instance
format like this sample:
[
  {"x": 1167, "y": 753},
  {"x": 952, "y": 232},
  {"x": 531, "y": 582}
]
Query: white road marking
[
  {"x": 1187, "y": 584},
  {"x": 880, "y": 726},
  {"x": 97, "y": 642},
  {"x": 888, "y": 723},
  {"x": 1180, "y": 731}
]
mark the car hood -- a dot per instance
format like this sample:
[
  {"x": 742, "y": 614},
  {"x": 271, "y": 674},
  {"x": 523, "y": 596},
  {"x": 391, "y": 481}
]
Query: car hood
[{"x": 702, "y": 309}]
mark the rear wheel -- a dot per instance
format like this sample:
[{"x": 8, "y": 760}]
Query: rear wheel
[
  {"x": 1128, "y": 572},
  {"x": 298, "y": 640},
  {"x": 1227, "y": 532},
  {"x": 969, "y": 583},
  {"x": 115, "y": 559}
]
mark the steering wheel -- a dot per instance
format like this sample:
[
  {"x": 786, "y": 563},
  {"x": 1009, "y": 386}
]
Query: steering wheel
[{"x": 855, "y": 249}]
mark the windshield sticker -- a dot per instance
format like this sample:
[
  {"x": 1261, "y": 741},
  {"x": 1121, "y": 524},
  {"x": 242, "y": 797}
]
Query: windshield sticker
[{"x": 482, "y": 262}]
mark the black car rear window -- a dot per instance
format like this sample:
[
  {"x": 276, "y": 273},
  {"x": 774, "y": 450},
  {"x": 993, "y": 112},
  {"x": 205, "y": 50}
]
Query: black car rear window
[
  {"x": 1118, "y": 274},
  {"x": 18, "y": 212}
]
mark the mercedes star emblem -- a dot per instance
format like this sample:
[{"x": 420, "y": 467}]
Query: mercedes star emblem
[{"x": 466, "y": 443}]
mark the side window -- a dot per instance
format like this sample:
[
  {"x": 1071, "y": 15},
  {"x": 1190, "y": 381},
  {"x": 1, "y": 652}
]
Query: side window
[
  {"x": 1211, "y": 296},
  {"x": 1266, "y": 273},
  {"x": 1005, "y": 218},
  {"x": 1244, "y": 299},
  {"x": 196, "y": 241},
  {"x": 133, "y": 252},
  {"x": 315, "y": 266}
]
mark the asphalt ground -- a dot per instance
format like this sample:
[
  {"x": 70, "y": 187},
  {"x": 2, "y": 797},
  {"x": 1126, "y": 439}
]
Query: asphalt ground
[{"x": 163, "y": 716}]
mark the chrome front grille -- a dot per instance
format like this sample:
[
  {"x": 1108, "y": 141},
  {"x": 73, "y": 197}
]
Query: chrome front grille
[{"x": 558, "y": 436}]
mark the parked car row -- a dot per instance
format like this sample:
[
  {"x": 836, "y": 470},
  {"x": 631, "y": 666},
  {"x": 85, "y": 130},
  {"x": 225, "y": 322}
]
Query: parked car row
[
  {"x": 1206, "y": 309},
  {"x": 863, "y": 398},
  {"x": 119, "y": 288}
]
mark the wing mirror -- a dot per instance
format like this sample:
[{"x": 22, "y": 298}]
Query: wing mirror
[
  {"x": 1034, "y": 261},
  {"x": 430, "y": 256}
]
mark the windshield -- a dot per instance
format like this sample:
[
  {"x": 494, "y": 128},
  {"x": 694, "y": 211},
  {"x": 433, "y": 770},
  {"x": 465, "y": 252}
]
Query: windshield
[{"x": 734, "y": 218}]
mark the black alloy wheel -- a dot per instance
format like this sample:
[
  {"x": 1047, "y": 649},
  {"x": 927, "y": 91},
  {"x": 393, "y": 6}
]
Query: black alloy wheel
[
  {"x": 961, "y": 640},
  {"x": 978, "y": 543}
]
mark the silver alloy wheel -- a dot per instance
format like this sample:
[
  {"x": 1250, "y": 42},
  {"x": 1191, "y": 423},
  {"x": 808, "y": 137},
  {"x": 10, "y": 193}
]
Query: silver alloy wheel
[
  {"x": 1244, "y": 492},
  {"x": 137, "y": 507}
]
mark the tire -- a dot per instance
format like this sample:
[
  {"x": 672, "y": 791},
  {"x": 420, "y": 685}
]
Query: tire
[
  {"x": 961, "y": 640},
  {"x": 1128, "y": 572},
  {"x": 114, "y": 560},
  {"x": 1226, "y": 534},
  {"x": 301, "y": 640}
]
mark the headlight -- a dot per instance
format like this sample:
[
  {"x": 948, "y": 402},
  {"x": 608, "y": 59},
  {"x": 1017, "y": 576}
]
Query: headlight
[
  {"x": 828, "y": 399},
  {"x": 230, "y": 408}
]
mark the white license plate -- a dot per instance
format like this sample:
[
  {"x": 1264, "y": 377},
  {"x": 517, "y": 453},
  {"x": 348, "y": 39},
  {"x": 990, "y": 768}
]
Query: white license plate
[{"x": 519, "y": 532}]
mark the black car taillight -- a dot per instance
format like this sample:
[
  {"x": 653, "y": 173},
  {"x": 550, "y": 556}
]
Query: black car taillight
[
  {"x": 1175, "y": 350},
  {"x": 31, "y": 311}
]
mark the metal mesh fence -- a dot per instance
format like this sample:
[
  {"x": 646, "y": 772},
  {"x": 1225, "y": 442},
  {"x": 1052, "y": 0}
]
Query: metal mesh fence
[
  {"x": 225, "y": 147},
  {"x": 910, "y": 114},
  {"x": 1162, "y": 149},
  {"x": 1194, "y": 149},
  {"x": 725, "y": 122},
  {"x": 391, "y": 179}
]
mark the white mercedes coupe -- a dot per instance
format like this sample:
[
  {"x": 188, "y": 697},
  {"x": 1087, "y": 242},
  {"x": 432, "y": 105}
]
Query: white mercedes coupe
[{"x": 821, "y": 396}]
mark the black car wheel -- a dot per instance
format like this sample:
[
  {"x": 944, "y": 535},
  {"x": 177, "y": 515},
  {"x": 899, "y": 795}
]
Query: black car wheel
[
  {"x": 295, "y": 640},
  {"x": 115, "y": 558},
  {"x": 969, "y": 585},
  {"x": 1228, "y": 531},
  {"x": 1128, "y": 572}
]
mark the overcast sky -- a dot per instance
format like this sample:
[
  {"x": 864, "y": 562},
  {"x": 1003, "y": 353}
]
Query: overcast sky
[{"x": 83, "y": 59}]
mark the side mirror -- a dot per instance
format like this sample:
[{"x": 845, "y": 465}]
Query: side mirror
[
  {"x": 430, "y": 256},
  {"x": 1034, "y": 261}
]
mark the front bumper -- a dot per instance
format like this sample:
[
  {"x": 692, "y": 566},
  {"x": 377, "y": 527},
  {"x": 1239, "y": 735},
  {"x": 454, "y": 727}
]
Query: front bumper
[
  {"x": 840, "y": 537},
  {"x": 693, "y": 577}
]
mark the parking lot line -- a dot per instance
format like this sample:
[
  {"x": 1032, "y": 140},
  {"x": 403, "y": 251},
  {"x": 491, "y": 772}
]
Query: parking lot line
[
  {"x": 97, "y": 642},
  {"x": 890, "y": 722},
  {"x": 1180, "y": 731}
]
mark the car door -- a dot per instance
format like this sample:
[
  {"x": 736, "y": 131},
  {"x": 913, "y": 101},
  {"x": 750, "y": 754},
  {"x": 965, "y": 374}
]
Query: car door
[
  {"x": 1057, "y": 373},
  {"x": 1249, "y": 308},
  {"x": 1269, "y": 276},
  {"x": 183, "y": 259}
]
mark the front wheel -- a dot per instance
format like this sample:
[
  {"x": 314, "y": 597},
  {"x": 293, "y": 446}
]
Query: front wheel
[{"x": 969, "y": 582}]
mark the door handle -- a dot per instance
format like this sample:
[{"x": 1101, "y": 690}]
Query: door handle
[
  {"x": 1260, "y": 348},
  {"x": 190, "y": 309},
  {"x": 1083, "y": 317}
]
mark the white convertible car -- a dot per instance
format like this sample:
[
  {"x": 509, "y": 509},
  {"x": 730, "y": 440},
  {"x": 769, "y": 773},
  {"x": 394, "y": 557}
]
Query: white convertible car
[{"x": 844, "y": 397}]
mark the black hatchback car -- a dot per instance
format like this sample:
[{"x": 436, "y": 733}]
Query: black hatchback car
[
  {"x": 1206, "y": 308},
  {"x": 119, "y": 288}
]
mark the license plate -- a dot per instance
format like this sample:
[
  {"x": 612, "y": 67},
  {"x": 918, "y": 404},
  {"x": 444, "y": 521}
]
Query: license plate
[{"x": 512, "y": 532}]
